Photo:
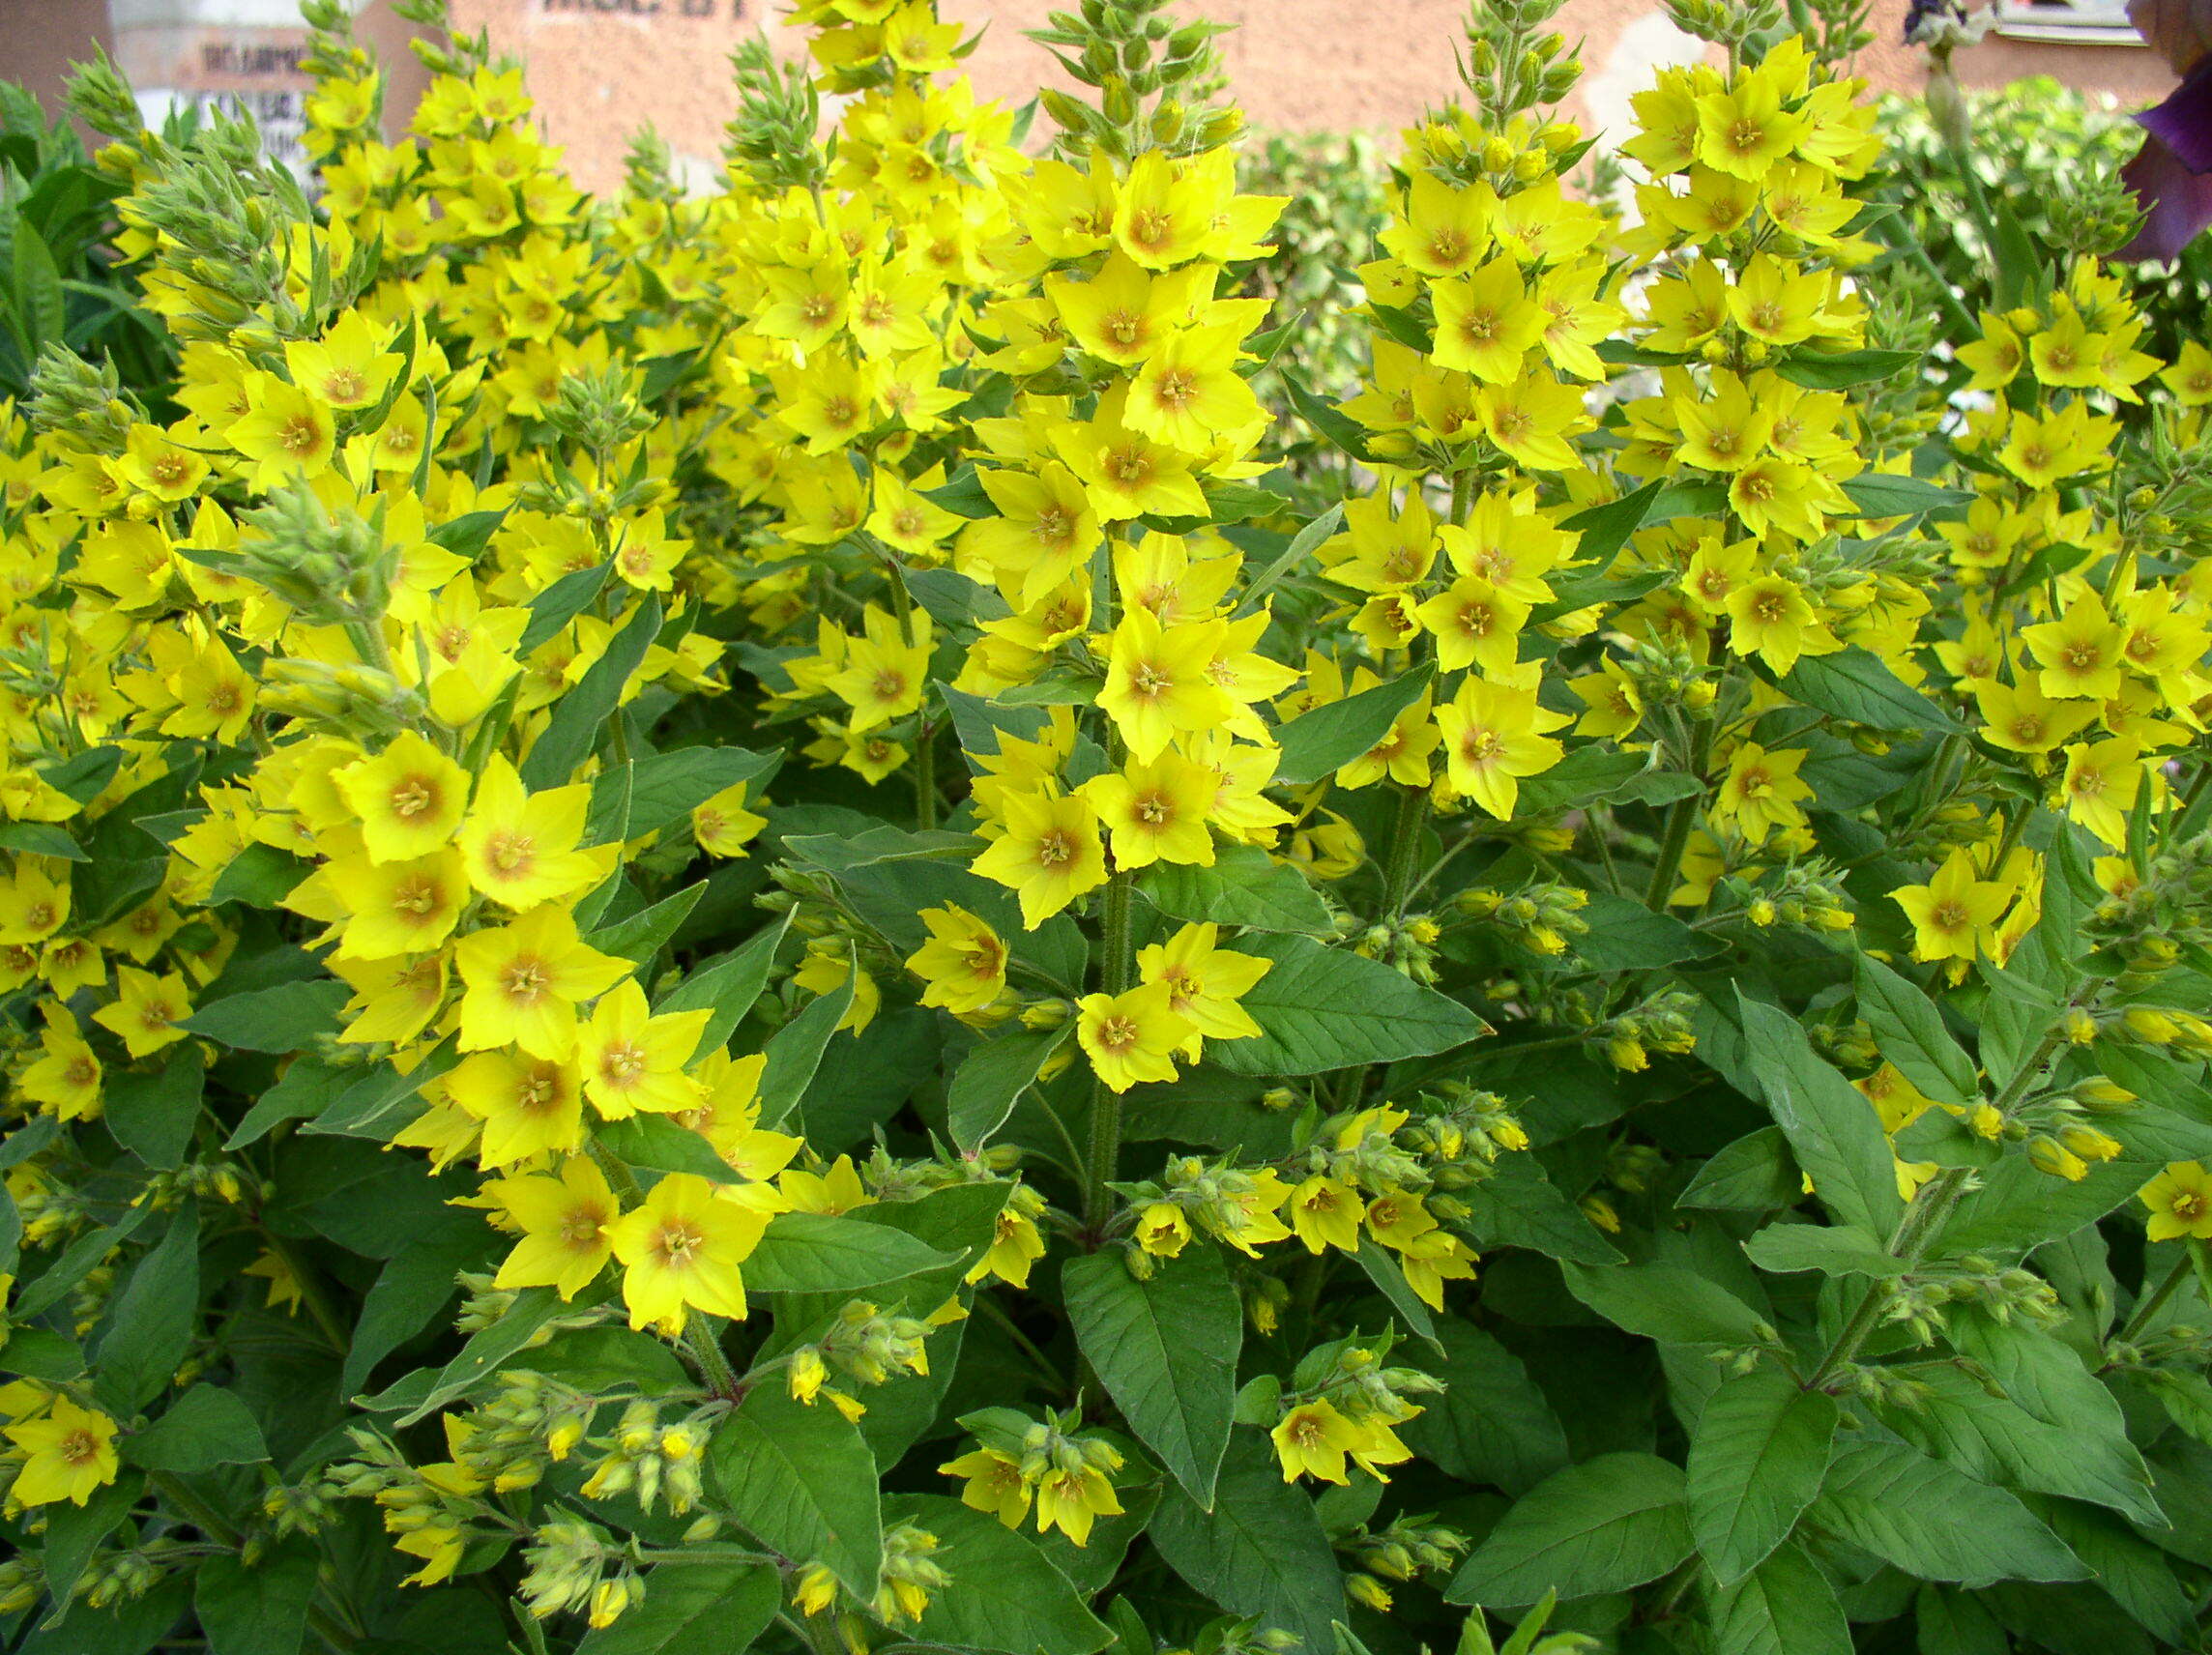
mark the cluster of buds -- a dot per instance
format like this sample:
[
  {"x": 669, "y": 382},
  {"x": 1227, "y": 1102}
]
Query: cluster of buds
[
  {"x": 1541, "y": 917},
  {"x": 204, "y": 1180},
  {"x": 22, "y": 1584},
  {"x": 333, "y": 566},
  {"x": 1515, "y": 63},
  {"x": 528, "y": 1424},
  {"x": 1920, "y": 1303},
  {"x": 1660, "y": 1022},
  {"x": 569, "y": 1570},
  {"x": 303, "y": 1508},
  {"x": 1218, "y": 1197},
  {"x": 1065, "y": 1472},
  {"x": 483, "y": 1304},
  {"x": 1406, "y": 944},
  {"x": 650, "y": 1460},
  {"x": 1808, "y": 894},
  {"x": 1849, "y": 1045},
  {"x": 233, "y": 228},
  {"x": 1343, "y": 1401},
  {"x": 81, "y": 404},
  {"x": 433, "y": 1510},
  {"x": 2146, "y": 922},
  {"x": 1412, "y": 1546},
  {"x": 1131, "y": 55},
  {"x": 1729, "y": 25},
  {"x": 1458, "y": 1131},
  {"x": 909, "y": 1574},
  {"x": 770, "y": 144},
  {"x": 863, "y": 1347},
  {"x": 2167, "y": 503},
  {"x": 125, "y": 1574},
  {"x": 599, "y": 413},
  {"x": 434, "y": 43}
]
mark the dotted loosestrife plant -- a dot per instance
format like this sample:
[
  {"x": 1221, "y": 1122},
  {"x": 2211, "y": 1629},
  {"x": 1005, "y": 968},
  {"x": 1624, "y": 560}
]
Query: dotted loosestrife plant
[{"x": 726, "y": 926}]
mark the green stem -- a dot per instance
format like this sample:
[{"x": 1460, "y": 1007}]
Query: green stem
[
  {"x": 1118, "y": 970},
  {"x": 705, "y": 1348},
  {"x": 1922, "y": 1221},
  {"x": 2157, "y": 1295},
  {"x": 925, "y": 775},
  {"x": 1404, "y": 844},
  {"x": 1681, "y": 817},
  {"x": 2201, "y": 1256}
]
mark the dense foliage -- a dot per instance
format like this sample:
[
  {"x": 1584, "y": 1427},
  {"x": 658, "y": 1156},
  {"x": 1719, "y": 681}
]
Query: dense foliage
[{"x": 728, "y": 924}]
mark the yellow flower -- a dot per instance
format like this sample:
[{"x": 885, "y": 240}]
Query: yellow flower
[
  {"x": 530, "y": 1106},
  {"x": 963, "y": 964},
  {"x": 70, "y": 1452},
  {"x": 995, "y": 1483},
  {"x": 632, "y": 1060},
  {"x": 1048, "y": 855},
  {"x": 2080, "y": 652},
  {"x": 564, "y": 1222},
  {"x": 1771, "y": 618},
  {"x": 1074, "y": 1499},
  {"x": 409, "y": 799},
  {"x": 2180, "y": 1203},
  {"x": 1133, "y": 1037},
  {"x": 1762, "y": 791},
  {"x": 1163, "y": 1230},
  {"x": 682, "y": 1248},
  {"x": 1492, "y": 738},
  {"x": 1954, "y": 912},
  {"x": 398, "y": 908},
  {"x": 1155, "y": 811},
  {"x": 285, "y": 432},
  {"x": 1312, "y": 1440},
  {"x": 722, "y": 826},
  {"x": 1325, "y": 1213},
  {"x": 146, "y": 1011},
  {"x": 2100, "y": 786},
  {"x": 524, "y": 980},
  {"x": 1486, "y": 322},
  {"x": 1204, "y": 982},
  {"x": 67, "y": 1078}
]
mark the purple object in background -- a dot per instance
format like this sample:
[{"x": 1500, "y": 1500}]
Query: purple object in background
[{"x": 2172, "y": 174}]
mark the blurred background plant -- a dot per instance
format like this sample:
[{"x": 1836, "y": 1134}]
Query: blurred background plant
[{"x": 58, "y": 280}]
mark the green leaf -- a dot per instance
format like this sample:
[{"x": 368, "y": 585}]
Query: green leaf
[
  {"x": 467, "y": 534},
  {"x": 1324, "y": 740},
  {"x": 1953, "y": 1623},
  {"x": 1754, "y": 1173},
  {"x": 2050, "y": 1382},
  {"x": 579, "y": 715},
  {"x": 1493, "y": 1424},
  {"x": 1261, "y": 1551},
  {"x": 1839, "y": 370},
  {"x": 629, "y": 800},
  {"x": 696, "y": 1610},
  {"x": 487, "y": 1351},
  {"x": 1785, "y": 1607},
  {"x": 1958, "y": 1420},
  {"x": 382, "y": 1100},
  {"x": 1832, "y": 1129},
  {"x": 990, "y": 1080},
  {"x": 1293, "y": 557},
  {"x": 731, "y": 984},
  {"x": 258, "y": 1607},
  {"x": 1836, "y": 1250},
  {"x": 2133, "y": 1573},
  {"x": 662, "y": 1145},
  {"x": 260, "y": 875},
  {"x": 86, "y": 776},
  {"x": 1380, "y": 1266},
  {"x": 153, "y": 1115},
  {"x": 1006, "y": 1597},
  {"x": 308, "y": 1086},
  {"x": 813, "y": 1252},
  {"x": 644, "y": 934},
  {"x": 802, "y": 1482},
  {"x": 1341, "y": 429},
  {"x": 1327, "y": 1008},
  {"x": 290, "y": 1017},
  {"x": 604, "y": 1358},
  {"x": 560, "y": 603},
  {"x": 1887, "y": 494},
  {"x": 794, "y": 1052},
  {"x": 207, "y": 1427},
  {"x": 1518, "y": 1206},
  {"x": 1855, "y": 685},
  {"x": 78, "y": 1260},
  {"x": 1910, "y": 1033},
  {"x": 1756, "y": 1463},
  {"x": 1245, "y": 887},
  {"x": 151, "y": 1326},
  {"x": 1166, "y": 1352},
  {"x": 414, "y": 1285},
  {"x": 1665, "y": 1303},
  {"x": 1626, "y": 936},
  {"x": 1936, "y": 1523},
  {"x": 40, "y": 839},
  {"x": 2017, "y": 1207},
  {"x": 1605, "y": 1525}
]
